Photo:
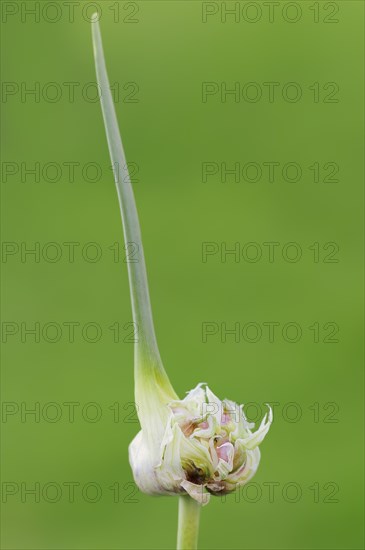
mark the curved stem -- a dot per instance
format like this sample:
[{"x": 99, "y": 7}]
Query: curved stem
[
  {"x": 188, "y": 527},
  {"x": 147, "y": 356},
  {"x": 132, "y": 234},
  {"x": 152, "y": 385}
]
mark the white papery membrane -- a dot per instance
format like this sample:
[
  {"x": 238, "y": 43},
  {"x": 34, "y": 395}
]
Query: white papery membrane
[{"x": 208, "y": 447}]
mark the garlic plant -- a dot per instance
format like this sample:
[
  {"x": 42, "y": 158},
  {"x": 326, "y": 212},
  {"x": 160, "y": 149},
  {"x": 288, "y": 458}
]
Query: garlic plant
[{"x": 193, "y": 447}]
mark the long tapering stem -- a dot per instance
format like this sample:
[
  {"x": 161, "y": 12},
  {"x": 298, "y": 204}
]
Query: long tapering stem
[
  {"x": 150, "y": 377},
  {"x": 188, "y": 527},
  {"x": 141, "y": 305}
]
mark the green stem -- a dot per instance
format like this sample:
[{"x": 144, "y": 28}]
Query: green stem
[
  {"x": 132, "y": 233},
  {"x": 152, "y": 386},
  {"x": 188, "y": 528},
  {"x": 147, "y": 357}
]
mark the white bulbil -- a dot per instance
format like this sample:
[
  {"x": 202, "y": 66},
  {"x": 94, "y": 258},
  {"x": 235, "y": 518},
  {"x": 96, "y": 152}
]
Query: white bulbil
[{"x": 208, "y": 447}]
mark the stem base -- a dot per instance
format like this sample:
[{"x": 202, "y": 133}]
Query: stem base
[{"x": 188, "y": 526}]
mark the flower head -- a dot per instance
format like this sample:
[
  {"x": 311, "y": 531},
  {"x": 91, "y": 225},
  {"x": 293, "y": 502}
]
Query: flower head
[{"x": 208, "y": 447}]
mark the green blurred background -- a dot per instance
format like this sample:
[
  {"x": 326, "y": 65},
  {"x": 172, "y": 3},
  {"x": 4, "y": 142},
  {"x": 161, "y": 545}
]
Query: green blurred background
[{"x": 165, "y": 48}]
